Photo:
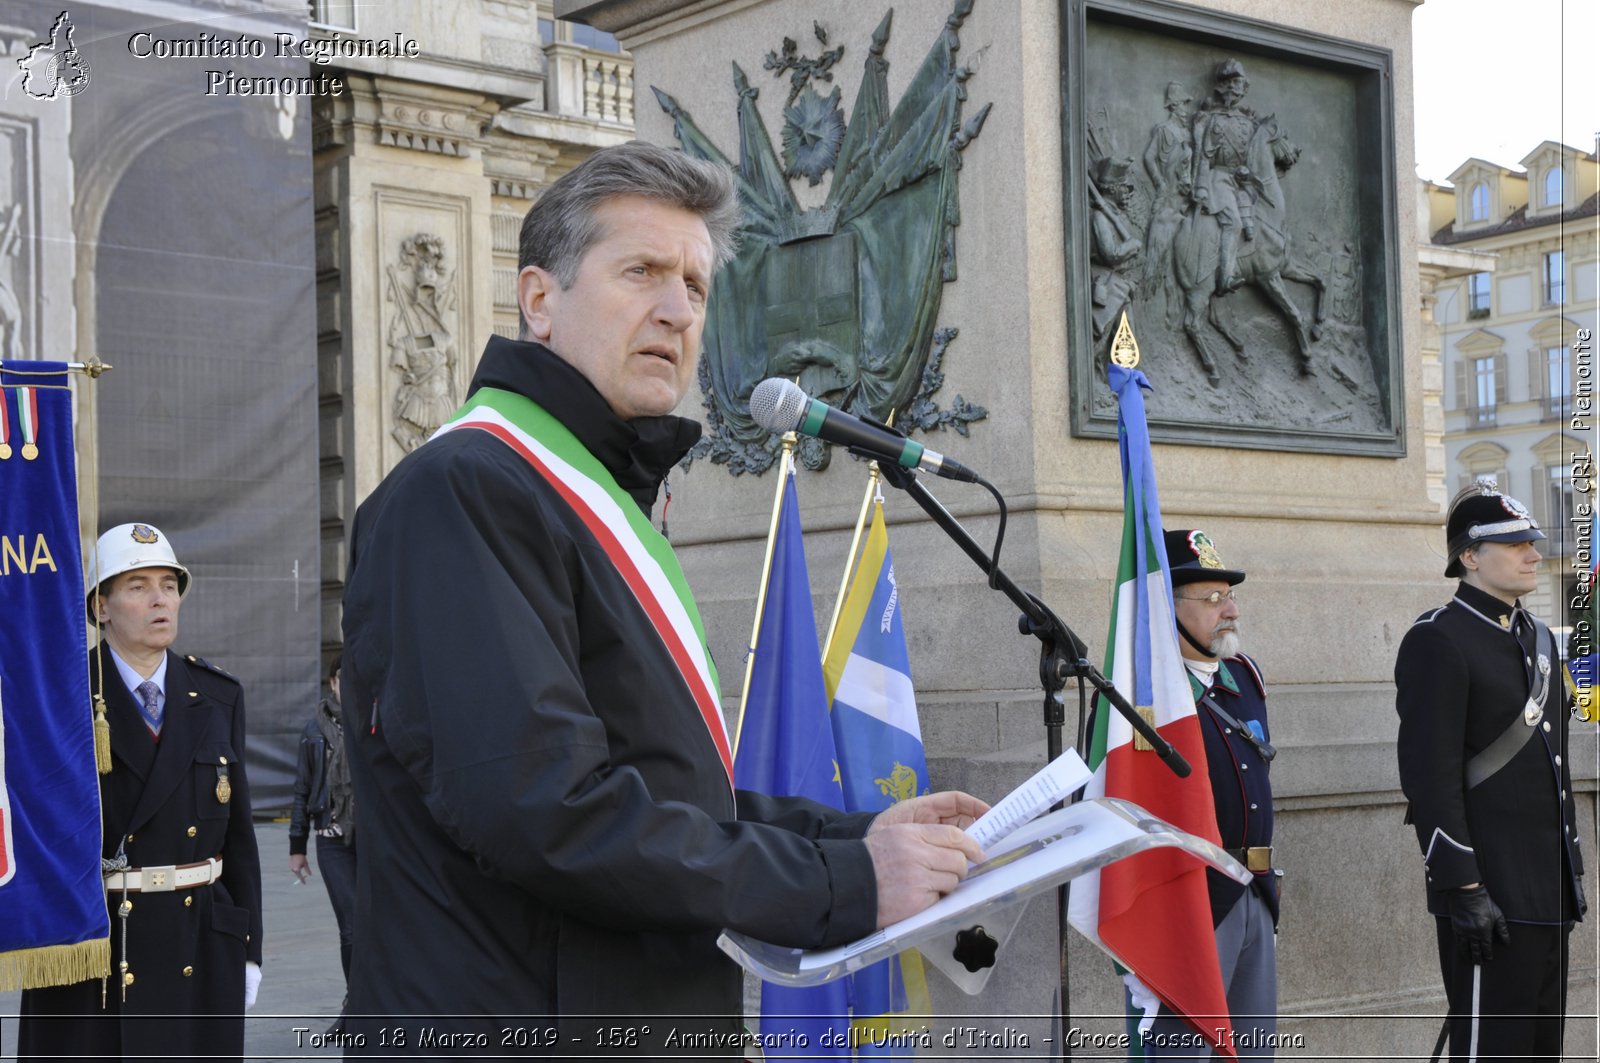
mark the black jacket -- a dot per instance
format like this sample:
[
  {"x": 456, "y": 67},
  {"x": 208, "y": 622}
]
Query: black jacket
[
  {"x": 311, "y": 805},
  {"x": 547, "y": 829},
  {"x": 1462, "y": 678},
  {"x": 186, "y": 949}
]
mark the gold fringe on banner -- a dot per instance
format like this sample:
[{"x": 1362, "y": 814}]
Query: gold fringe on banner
[{"x": 55, "y": 965}]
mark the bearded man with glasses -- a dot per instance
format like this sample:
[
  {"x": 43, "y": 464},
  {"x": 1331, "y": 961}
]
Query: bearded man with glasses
[{"x": 1231, "y": 703}]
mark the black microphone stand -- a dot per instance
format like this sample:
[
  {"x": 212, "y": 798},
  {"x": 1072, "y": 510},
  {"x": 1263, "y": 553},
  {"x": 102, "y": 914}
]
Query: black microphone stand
[{"x": 1062, "y": 655}]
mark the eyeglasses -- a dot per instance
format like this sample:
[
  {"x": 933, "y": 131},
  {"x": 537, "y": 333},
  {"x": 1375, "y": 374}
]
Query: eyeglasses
[{"x": 1214, "y": 598}]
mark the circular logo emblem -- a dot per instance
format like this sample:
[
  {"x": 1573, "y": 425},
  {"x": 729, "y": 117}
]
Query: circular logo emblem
[{"x": 71, "y": 71}]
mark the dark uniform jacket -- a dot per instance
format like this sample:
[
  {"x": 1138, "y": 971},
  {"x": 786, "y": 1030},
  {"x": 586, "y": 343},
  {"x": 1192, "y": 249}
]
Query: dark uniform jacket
[
  {"x": 1462, "y": 680},
  {"x": 547, "y": 828},
  {"x": 187, "y": 948},
  {"x": 1240, "y": 785}
]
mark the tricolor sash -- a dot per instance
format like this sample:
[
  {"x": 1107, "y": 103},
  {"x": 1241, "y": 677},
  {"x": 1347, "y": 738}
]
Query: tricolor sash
[
  {"x": 643, "y": 557},
  {"x": 53, "y": 924}
]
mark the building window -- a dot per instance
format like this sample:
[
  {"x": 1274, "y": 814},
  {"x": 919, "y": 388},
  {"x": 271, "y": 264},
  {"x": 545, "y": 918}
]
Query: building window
[
  {"x": 1560, "y": 500},
  {"x": 1485, "y": 390},
  {"x": 1553, "y": 181},
  {"x": 591, "y": 38},
  {"x": 1478, "y": 295},
  {"x": 1557, "y": 380},
  {"x": 338, "y": 14},
  {"x": 579, "y": 34},
  {"x": 1478, "y": 203},
  {"x": 1555, "y": 277}
]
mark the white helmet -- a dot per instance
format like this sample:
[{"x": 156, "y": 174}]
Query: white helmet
[{"x": 127, "y": 547}]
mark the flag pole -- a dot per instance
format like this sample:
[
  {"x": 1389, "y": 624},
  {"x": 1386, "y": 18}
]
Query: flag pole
[
  {"x": 855, "y": 544},
  {"x": 785, "y": 465},
  {"x": 850, "y": 558}
]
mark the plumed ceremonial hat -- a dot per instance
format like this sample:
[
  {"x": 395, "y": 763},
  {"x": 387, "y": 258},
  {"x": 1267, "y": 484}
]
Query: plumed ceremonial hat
[
  {"x": 1481, "y": 514},
  {"x": 1193, "y": 558}
]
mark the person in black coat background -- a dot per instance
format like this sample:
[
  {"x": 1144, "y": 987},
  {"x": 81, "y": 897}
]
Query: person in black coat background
[
  {"x": 183, "y": 877},
  {"x": 1483, "y": 762},
  {"x": 324, "y": 804}
]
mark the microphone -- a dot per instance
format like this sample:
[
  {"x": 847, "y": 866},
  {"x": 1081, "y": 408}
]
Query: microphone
[{"x": 780, "y": 406}]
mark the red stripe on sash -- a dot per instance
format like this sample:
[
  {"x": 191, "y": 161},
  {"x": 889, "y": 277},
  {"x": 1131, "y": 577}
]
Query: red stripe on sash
[{"x": 618, "y": 554}]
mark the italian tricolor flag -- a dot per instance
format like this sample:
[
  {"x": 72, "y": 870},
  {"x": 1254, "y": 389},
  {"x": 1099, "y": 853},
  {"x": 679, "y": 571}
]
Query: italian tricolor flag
[{"x": 1151, "y": 911}]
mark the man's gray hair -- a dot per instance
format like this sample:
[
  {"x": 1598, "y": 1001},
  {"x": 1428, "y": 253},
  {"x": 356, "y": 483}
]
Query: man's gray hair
[{"x": 562, "y": 225}]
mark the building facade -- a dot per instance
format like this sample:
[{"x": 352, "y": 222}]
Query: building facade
[
  {"x": 1517, "y": 315},
  {"x": 423, "y": 171}
]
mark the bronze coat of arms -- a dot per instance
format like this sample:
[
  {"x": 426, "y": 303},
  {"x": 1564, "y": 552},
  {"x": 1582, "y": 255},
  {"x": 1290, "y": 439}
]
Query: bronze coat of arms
[{"x": 843, "y": 297}]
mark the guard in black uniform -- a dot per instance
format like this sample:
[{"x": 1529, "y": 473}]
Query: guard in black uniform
[
  {"x": 182, "y": 876},
  {"x": 1230, "y": 702},
  {"x": 1483, "y": 761}
]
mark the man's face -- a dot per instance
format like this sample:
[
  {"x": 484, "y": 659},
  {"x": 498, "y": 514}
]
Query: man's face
[
  {"x": 1231, "y": 91},
  {"x": 631, "y": 321},
  {"x": 139, "y": 612},
  {"x": 1215, "y": 626},
  {"x": 1505, "y": 570}
]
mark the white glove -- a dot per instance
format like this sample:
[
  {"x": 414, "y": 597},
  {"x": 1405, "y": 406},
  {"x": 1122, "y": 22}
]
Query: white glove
[
  {"x": 252, "y": 982},
  {"x": 1143, "y": 999}
]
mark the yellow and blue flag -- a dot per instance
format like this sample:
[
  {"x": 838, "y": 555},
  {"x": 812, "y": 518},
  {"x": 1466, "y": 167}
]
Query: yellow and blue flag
[
  {"x": 786, "y": 750},
  {"x": 881, "y": 761}
]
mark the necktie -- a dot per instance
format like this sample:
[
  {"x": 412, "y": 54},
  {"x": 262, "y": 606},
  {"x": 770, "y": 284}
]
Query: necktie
[{"x": 151, "y": 709}]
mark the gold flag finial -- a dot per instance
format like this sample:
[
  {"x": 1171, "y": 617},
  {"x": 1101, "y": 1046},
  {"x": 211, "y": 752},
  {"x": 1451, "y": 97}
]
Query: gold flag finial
[{"x": 1124, "y": 348}]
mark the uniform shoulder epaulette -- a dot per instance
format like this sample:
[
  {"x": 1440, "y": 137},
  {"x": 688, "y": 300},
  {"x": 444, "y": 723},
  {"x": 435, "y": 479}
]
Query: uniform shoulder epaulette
[
  {"x": 201, "y": 662},
  {"x": 1431, "y": 614},
  {"x": 1254, "y": 670}
]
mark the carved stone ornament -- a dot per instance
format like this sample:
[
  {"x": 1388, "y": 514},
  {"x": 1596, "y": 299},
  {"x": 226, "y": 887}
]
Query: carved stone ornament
[
  {"x": 422, "y": 347},
  {"x": 843, "y": 297}
]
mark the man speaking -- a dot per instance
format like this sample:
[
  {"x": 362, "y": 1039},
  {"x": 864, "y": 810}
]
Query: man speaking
[{"x": 551, "y": 838}]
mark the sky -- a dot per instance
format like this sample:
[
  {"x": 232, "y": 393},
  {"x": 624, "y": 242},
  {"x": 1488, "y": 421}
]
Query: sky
[{"x": 1495, "y": 78}]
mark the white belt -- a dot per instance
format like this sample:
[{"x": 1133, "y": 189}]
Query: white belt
[{"x": 165, "y": 879}]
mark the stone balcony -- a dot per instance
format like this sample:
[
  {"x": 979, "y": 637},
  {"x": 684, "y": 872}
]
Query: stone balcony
[{"x": 584, "y": 83}]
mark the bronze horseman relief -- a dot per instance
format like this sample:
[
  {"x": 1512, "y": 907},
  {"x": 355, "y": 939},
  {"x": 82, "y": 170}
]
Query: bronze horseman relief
[
  {"x": 1239, "y": 207},
  {"x": 844, "y": 296}
]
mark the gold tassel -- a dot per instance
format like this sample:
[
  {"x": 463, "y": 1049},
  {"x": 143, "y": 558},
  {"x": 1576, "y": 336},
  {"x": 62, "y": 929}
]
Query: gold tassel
[
  {"x": 55, "y": 965},
  {"x": 102, "y": 736}
]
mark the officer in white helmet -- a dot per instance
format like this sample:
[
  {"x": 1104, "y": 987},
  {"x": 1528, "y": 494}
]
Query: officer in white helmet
[{"x": 182, "y": 875}]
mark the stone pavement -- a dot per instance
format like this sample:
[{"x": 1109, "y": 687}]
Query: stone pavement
[{"x": 301, "y": 985}]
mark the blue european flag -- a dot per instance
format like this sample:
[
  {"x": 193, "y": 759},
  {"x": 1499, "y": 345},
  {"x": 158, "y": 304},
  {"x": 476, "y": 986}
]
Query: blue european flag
[{"x": 786, "y": 749}]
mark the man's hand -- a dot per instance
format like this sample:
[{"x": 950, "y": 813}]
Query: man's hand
[
  {"x": 1477, "y": 921},
  {"x": 299, "y": 865},
  {"x": 916, "y": 863},
  {"x": 949, "y": 807}
]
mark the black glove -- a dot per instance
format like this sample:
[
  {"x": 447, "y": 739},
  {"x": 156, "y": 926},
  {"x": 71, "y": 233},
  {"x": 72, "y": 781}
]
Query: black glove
[{"x": 1477, "y": 921}]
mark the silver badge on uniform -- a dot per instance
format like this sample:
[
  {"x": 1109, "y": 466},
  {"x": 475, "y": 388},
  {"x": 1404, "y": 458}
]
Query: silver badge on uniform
[
  {"x": 1532, "y": 713},
  {"x": 1544, "y": 665}
]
